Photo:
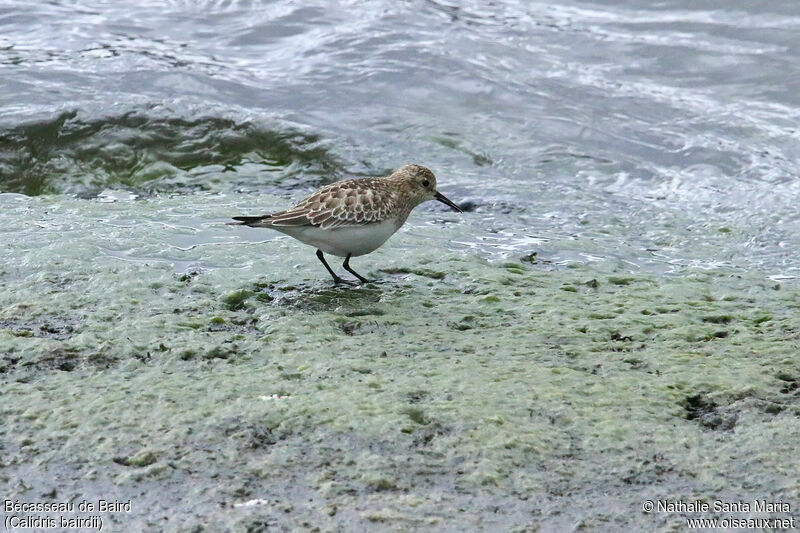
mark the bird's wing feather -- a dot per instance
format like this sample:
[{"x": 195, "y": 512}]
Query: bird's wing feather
[{"x": 346, "y": 203}]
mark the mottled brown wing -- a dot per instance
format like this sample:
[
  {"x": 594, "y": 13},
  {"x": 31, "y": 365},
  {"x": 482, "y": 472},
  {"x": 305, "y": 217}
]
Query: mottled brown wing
[{"x": 345, "y": 203}]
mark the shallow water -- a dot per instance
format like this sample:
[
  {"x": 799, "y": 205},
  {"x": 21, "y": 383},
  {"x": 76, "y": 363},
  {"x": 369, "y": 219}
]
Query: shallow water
[{"x": 647, "y": 156}]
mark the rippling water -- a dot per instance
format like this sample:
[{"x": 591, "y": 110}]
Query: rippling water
[{"x": 631, "y": 125}]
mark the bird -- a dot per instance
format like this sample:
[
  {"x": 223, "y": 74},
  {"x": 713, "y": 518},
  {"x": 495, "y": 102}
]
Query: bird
[{"x": 354, "y": 217}]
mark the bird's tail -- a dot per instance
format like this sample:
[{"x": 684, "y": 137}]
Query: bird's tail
[{"x": 253, "y": 222}]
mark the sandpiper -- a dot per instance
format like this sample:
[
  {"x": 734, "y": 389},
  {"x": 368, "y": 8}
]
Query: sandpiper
[{"x": 354, "y": 217}]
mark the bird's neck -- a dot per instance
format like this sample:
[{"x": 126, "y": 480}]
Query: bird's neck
[{"x": 405, "y": 209}]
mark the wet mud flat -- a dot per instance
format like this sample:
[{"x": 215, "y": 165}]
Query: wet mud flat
[{"x": 249, "y": 394}]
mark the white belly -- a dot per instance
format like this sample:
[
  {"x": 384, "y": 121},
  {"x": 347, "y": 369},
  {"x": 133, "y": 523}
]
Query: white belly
[{"x": 353, "y": 240}]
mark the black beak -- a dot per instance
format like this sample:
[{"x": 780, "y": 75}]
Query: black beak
[{"x": 442, "y": 198}]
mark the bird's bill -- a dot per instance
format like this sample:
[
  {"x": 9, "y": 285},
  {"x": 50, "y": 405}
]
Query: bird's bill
[{"x": 442, "y": 198}]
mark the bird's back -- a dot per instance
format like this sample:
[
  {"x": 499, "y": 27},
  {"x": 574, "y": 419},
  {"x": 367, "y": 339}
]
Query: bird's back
[{"x": 354, "y": 202}]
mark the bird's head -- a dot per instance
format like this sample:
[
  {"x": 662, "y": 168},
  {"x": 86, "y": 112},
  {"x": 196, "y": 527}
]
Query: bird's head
[{"x": 421, "y": 185}]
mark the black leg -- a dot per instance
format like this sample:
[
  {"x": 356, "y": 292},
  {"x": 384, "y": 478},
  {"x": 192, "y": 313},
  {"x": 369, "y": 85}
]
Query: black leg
[
  {"x": 346, "y": 266},
  {"x": 336, "y": 279}
]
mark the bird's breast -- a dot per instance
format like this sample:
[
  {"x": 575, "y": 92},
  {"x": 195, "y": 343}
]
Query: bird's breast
[{"x": 344, "y": 240}]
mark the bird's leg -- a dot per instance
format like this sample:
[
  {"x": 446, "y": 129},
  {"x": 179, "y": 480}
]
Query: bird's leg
[
  {"x": 346, "y": 266},
  {"x": 336, "y": 279}
]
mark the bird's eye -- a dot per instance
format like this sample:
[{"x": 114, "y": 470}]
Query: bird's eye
[{"x": 425, "y": 183}]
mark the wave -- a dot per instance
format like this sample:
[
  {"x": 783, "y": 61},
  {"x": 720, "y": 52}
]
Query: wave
[{"x": 137, "y": 151}]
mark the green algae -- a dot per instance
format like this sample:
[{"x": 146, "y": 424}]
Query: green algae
[
  {"x": 718, "y": 319},
  {"x": 406, "y": 399},
  {"x": 70, "y": 153},
  {"x": 236, "y": 300},
  {"x": 618, "y": 280},
  {"x": 423, "y": 272},
  {"x": 140, "y": 459},
  {"x": 416, "y": 415}
]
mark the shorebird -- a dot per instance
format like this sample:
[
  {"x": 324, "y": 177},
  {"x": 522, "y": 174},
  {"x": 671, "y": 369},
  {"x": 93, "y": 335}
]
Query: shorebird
[{"x": 354, "y": 217}]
